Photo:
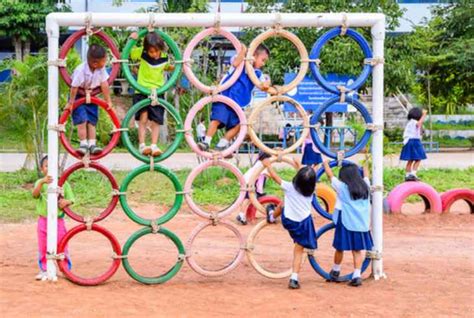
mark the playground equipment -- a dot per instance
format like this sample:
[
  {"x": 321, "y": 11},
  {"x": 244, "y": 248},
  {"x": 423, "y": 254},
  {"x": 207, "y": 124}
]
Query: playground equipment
[
  {"x": 214, "y": 22},
  {"x": 429, "y": 195},
  {"x": 451, "y": 196}
]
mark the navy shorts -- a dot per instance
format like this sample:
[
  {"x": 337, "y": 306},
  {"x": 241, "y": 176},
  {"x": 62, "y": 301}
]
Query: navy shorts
[
  {"x": 155, "y": 113},
  {"x": 85, "y": 113},
  {"x": 225, "y": 115}
]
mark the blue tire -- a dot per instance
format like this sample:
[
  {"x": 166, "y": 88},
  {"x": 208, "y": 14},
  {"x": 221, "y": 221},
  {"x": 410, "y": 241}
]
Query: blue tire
[
  {"x": 362, "y": 141},
  {"x": 316, "y": 52},
  {"x": 323, "y": 273}
]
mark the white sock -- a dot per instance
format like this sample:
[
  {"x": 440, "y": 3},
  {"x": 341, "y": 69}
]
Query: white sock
[
  {"x": 271, "y": 217},
  {"x": 91, "y": 142},
  {"x": 336, "y": 267},
  {"x": 413, "y": 172},
  {"x": 142, "y": 145},
  {"x": 242, "y": 216},
  {"x": 84, "y": 142},
  {"x": 207, "y": 140},
  {"x": 407, "y": 174},
  {"x": 223, "y": 143},
  {"x": 294, "y": 276},
  {"x": 356, "y": 273}
]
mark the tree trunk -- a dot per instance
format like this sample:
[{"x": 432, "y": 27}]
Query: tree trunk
[
  {"x": 26, "y": 48},
  {"x": 17, "y": 45}
]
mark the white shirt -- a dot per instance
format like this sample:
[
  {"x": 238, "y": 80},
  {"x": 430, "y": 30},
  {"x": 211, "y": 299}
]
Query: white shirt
[
  {"x": 257, "y": 166},
  {"x": 83, "y": 77},
  {"x": 297, "y": 206},
  {"x": 412, "y": 131},
  {"x": 201, "y": 130}
]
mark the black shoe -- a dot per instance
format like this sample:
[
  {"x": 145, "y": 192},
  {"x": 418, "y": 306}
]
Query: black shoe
[
  {"x": 411, "y": 178},
  {"x": 220, "y": 149},
  {"x": 270, "y": 208},
  {"x": 355, "y": 282},
  {"x": 333, "y": 276},
  {"x": 203, "y": 146},
  {"x": 83, "y": 149},
  {"x": 241, "y": 220},
  {"x": 293, "y": 284},
  {"x": 94, "y": 150}
]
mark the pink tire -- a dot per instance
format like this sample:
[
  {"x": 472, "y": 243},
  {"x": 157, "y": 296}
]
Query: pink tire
[
  {"x": 200, "y": 105},
  {"x": 229, "y": 267},
  {"x": 196, "y": 171},
  {"x": 451, "y": 196},
  {"x": 398, "y": 195},
  {"x": 187, "y": 57}
]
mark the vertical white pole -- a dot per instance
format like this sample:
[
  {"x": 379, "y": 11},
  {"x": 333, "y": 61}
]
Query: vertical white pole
[
  {"x": 378, "y": 36},
  {"x": 52, "y": 30}
]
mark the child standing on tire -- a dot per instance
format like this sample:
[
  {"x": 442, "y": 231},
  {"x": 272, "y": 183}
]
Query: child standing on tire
[
  {"x": 89, "y": 75},
  {"x": 241, "y": 92},
  {"x": 151, "y": 74},
  {"x": 40, "y": 192},
  {"x": 296, "y": 214},
  {"x": 351, "y": 217},
  {"x": 412, "y": 150}
]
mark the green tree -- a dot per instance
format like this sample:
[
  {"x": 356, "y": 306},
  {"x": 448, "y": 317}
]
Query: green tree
[{"x": 24, "y": 22}]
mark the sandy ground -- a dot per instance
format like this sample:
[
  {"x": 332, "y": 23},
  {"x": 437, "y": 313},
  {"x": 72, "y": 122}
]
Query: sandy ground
[{"x": 429, "y": 261}]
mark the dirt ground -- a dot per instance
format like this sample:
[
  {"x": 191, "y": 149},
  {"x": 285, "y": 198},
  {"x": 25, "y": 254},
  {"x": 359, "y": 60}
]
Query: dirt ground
[{"x": 428, "y": 259}]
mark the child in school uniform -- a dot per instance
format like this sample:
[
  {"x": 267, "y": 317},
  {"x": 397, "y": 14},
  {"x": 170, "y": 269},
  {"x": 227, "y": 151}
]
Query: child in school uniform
[
  {"x": 241, "y": 92},
  {"x": 311, "y": 156},
  {"x": 259, "y": 183},
  {"x": 296, "y": 214},
  {"x": 352, "y": 218},
  {"x": 412, "y": 150},
  {"x": 89, "y": 75}
]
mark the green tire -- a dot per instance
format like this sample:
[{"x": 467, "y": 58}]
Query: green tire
[
  {"x": 171, "y": 149},
  {"x": 168, "y": 215},
  {"x": 128, "y": 73},
  {"x": 156, "y": 279}
]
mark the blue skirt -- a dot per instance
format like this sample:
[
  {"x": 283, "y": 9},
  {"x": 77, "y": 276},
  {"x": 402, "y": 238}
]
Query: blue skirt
[
  {"x": 302, "y": 232},
  {"x": 345, "y": 240},
  {"x": 310, "y": 157},
  {"x": 413, "y": 150}
]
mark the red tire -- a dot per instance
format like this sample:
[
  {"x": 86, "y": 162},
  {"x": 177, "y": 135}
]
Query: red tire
[
  {"x": 429, "y": 195},
  {"x": 63, "y": 264},
  {"x": 115, "y": 136},
  {"x": 69, "y": 43},
  {"x": 451, "y": 196},
  {"x": 252, "y": 210},
  {"x": 113, "y": 202}
]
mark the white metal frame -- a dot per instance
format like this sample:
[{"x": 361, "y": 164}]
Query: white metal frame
[{"x": 375, "y": 21}]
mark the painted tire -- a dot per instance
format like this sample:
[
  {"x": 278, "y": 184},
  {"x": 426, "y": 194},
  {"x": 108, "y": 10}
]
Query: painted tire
[
  {"x": 328, "y": 196},
  {"x": 301, "y": 50},
  {"x": 362, "y": 141},
  {"x": 115, "y": 135},
  {"x": 252, "y": 210},
  {"x": 155, "y": 279},
  {"x": 189, "y": 50},
  {"x": 171, "y": 149},
  {"x": 254, "y": 117},
  {"x": 316, "y": 53},
  {"x": 63, "y": 264},
  {"x": 113, "y": 202},
  {"x": 69, "y": 43},
  {"x": 196, "y": 171},
  {"x": 398, "y": 195},
  {"x": 451, "y": 196},
  {"x": 170, "y": 213},
  {"x": 200, "y": 105},
  {"x": 128, "y": 73},
  {"x": 229, "y": 267},
  {"x": 321, "y": 271}
]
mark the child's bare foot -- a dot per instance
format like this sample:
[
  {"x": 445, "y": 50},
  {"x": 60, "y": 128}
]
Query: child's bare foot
[{"x": 155, "y": 151}]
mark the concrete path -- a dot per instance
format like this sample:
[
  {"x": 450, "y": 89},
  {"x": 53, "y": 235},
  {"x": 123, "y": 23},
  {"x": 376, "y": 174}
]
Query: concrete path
[{"x": 125, "y": 161}]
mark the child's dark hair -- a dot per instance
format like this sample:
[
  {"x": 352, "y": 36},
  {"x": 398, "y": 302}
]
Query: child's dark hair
[
  {"x": 351, "y": 176},
  {"x": 305, "y": 181},
  {"x": 262, "y": 48},
  {"x": 415, "y": 113},
  {"x": 152, "y": 39},
  {"x": 262, "y": 155},
  {"x": 43, "y": 160},
  {"x": 96, "y": 52}
]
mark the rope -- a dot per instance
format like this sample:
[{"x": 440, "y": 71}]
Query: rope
[
  {"x": 249, "y": 247},
  {"x": 58, "y": 257},
  {"x": 154, "y": 97},
  {"x": 88, "y": 21},
  {"x": 214, "y": 218},
  {"x": 217, "y": 23},
  {"x": 309, "y": 251},
  {"x": 117, "y": 192},
  {"x": 251, "y": 188},
  {"x": 316, "y": 61},
  {"x": 277, "y": 24},
  {"x": 186, "y": 61},
  {"x": 86, "y": 160},
  {"x": 376, "y": 188},
  {"x": 373, "y": 255},
  {"x": 58, "y": 127},
  {"x": 181, "y": 257},
  {"x": 152, "y": 163},
  {"x": 57, "y": 62},
  {"x": 374, "y": 127},
  {"x": 116, "y": 256},
  {"x": 88, "y": 96},
  {"x": 340, "y": 157},
  {"x": 154, "y": 227},
  {"x": 213, "y": 90},
  {"x": 184, "y": 192},
  {"x": 343, "y": 91},
  {"x": 151, "y": 22},
  {"x": 374, "y": 61},
  {"x": 57, "y": 190},
  {"x": 216, "y": 156},
  {"x": 186, "y": 131},
  {"x": 115, "y": 60},
  {"x": 88, "y": 221},
  {"x": 315, "y": 126},
  {"x": 344, "y": 25},
  {"x": 118, "y": 129}
]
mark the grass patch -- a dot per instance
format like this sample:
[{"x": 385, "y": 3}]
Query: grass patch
[{"x": 215, "y": 187}]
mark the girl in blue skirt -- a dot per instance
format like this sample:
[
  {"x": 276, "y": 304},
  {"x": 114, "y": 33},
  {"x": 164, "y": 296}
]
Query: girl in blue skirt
[
  {"x": 296, "y": 214},
  {"x": 412, "y": 150},
  {"x": 352, "y": 218},
  {"x": 311, "y": 156}
]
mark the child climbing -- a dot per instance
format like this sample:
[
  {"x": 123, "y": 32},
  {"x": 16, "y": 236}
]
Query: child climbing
[
  {"x": 89, "y": 75},
  {"x": 296, "y": 214},
  {"x": 151, "y": 74},
  {"x": 351, "y": 217},
  {"x": 40, "y": 192},
  {"x": 259, "y": 184},
  {"x": 241, "y": 92},
  {"x": 412, "y": 150}
]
